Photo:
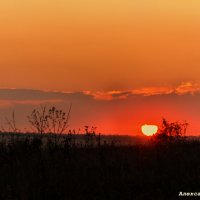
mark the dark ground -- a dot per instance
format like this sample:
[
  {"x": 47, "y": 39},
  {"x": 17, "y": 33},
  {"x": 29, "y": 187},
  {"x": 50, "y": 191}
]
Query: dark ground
[{"x": 29, "y": 171}]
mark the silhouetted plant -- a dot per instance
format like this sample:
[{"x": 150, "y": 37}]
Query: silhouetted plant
[
  {"x": 171, "y": 131},
  {"x": 38, "y": 120},
  {"x": 99, "y": 140},
  {"x": 90, "y": 135},
  {"x": 58, "y": 120},
  {"x": 52, "y": 121},
  {"x": 70, "y": 140},
  {"x": 12, "y": 123}
]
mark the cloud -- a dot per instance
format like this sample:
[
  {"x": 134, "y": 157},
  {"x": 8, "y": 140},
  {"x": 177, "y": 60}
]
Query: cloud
[
  {"x": 188, "y": 88},
  {"x": 148, "y": 91},
  {"x": 182, "y": 88},
  {"x": 108, "y": 95},
  {"x": 8, "y": 97},
  {"x": 9, "y": 103}
]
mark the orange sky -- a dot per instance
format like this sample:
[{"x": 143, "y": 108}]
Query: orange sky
[
  {"x": 106, "y": 49},
  {"x": 98, "y": 45}
]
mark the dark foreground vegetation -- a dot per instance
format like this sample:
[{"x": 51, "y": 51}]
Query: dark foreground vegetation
[
  {"x": 32, "y": 170},
  {"x": 53, "y": 164}
]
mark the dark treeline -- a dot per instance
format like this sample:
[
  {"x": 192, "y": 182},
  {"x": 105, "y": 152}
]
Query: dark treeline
[{"x": 30, "y": 170}]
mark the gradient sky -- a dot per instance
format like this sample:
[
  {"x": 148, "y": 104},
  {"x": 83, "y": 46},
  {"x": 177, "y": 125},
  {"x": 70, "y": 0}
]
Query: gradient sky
[{"x": 97, "y": 47}]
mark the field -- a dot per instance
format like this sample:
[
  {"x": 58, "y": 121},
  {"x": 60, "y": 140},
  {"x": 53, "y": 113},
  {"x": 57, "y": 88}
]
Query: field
[{"x": 59, "y": 170}]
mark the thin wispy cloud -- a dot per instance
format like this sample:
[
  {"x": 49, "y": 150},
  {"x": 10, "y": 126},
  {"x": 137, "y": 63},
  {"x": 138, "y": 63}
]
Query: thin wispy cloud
[
  {"x": 182, "y": 88},
  {"x": 108, "y": 96},
  {"x": 148, "y": 91},
  {"x": 10, "y": 103},
  {"x": 188, "y": 88}
]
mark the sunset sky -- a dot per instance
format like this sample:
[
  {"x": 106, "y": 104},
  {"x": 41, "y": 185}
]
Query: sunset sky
[{"x": 121, "y": 63}]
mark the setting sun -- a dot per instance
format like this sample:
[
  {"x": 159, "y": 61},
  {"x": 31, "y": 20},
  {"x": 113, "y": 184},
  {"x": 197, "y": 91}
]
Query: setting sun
[{"x": 149, "y": 130}]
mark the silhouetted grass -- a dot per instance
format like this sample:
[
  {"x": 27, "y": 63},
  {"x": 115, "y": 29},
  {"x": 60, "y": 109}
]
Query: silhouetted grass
[{"x": 30, "y": 170}]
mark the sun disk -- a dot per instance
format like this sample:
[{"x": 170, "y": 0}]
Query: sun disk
[{"x": 149, "y": 130}]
